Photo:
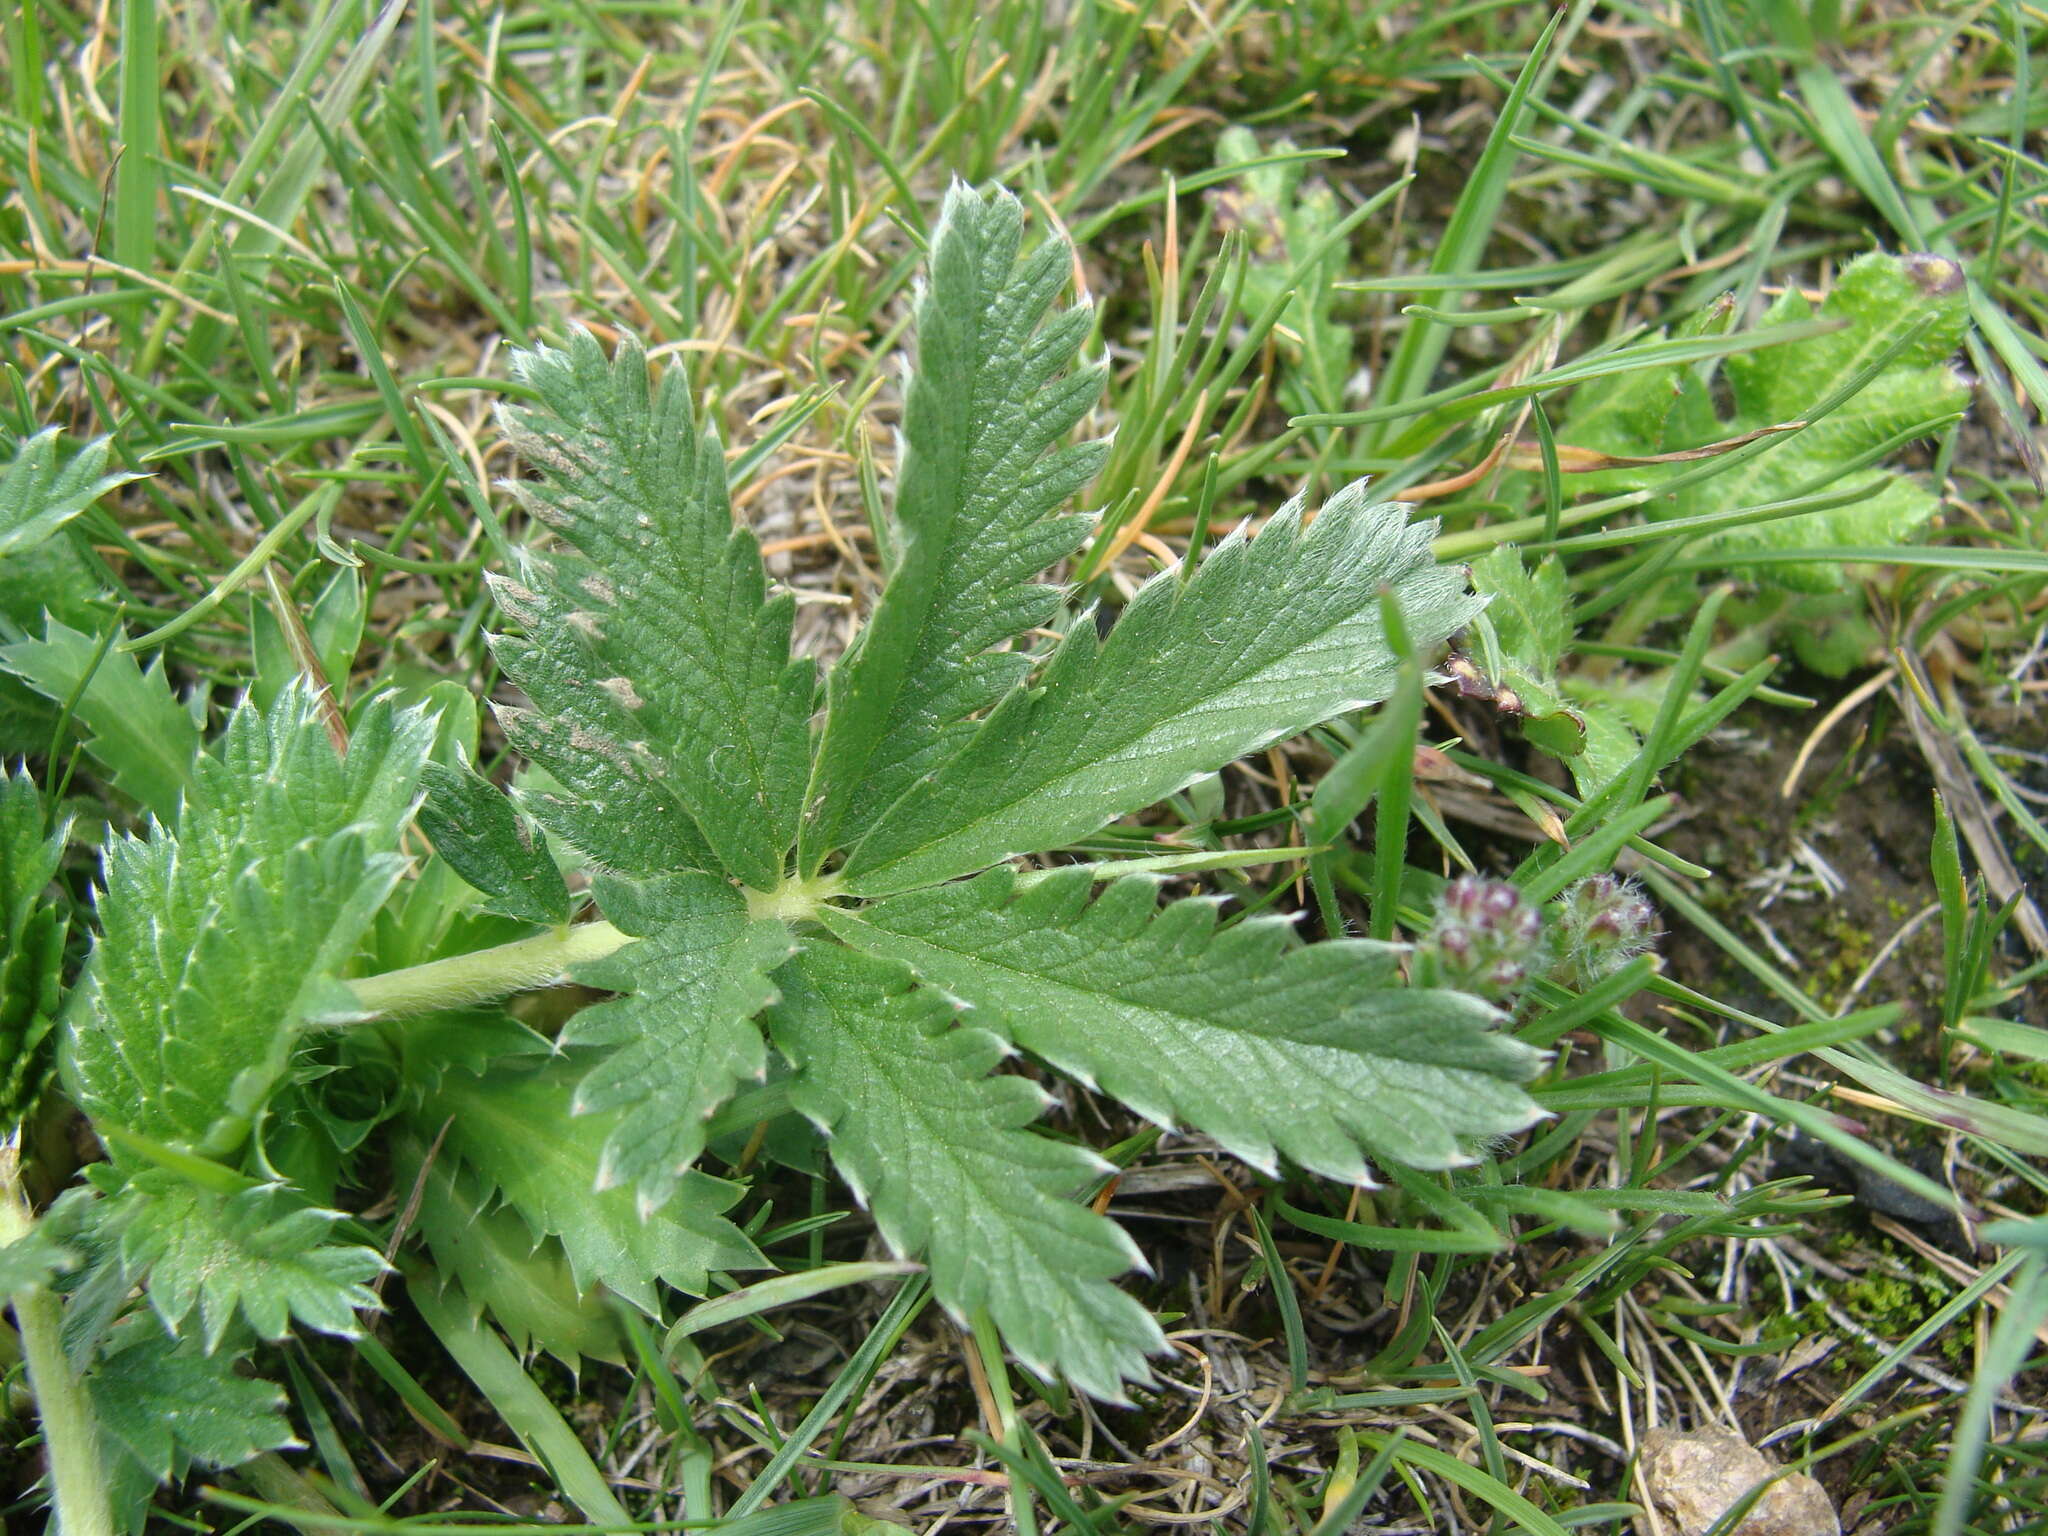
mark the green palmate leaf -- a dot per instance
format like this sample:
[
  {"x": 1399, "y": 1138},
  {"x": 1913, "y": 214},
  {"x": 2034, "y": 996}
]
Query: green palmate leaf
[
  {"x": 682, "y": 1038},
  {"x": 555, "y": 1181},
  {"x": 260, "y": 1253},
  {"x": 1269, "y": 636},
  {"x": 219, "y": 945},
  {"x": 1274, "y": 1048},
  {"x": 164, "y": 1405},
  {"x": 939, "y": 1152},
  {"x": 1881, "y": 301},
  {"x": 997, "y": 387},
  {"x": 32, "y": 929},
  {"x": 141, "y": 737},
  {"x": 669, "y": 621},
  {"x": 40, "y": 492},
  {"x": 476, "y": 830}
]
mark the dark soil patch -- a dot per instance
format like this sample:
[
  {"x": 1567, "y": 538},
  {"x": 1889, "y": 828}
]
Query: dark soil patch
[{"x": 1820, "y": 883}]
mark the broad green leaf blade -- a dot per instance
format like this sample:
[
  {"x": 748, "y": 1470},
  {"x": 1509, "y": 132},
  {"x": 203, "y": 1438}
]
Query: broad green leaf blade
[
  {"x": 1269, "y": 636},
  {"x": 219, "y": 944},
  {"x": 259, "y": 1253},
  {"x": 615, "y": 806},
  {"x": 166, "y": 1405},
  {"x": 682, "y": 1038},
  {"x": 552, "y": 1180},
  {"x": 938, "y": 1151},
  {"x": 669, "y": 620},
  {"x": 1312, "y": 1052},
  {"x": 40, "y": 493},
  {"x": 138, "y": 735},
  {"x": 998, "y": 385},
  {"x": 475, "y": 829}
]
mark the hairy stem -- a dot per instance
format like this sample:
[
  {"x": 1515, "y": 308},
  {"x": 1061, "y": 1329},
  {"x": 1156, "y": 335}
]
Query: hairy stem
[
  {"x": 541, "y": 961},
  {"x": 78, "y": 1486}
]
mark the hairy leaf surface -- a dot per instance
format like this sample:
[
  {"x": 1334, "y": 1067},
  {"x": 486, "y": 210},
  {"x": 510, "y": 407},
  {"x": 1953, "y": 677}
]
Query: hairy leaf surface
[
  {"x": 616, "y": 804},
  {"x": 259, "y": 1253},
  {"x": 477, "y": 831},
  {"x": 673, "y": 604},
  {"x": 217, "y": 944},
  {"x": 486, "y": 1254},
  {"x": 937, "y": 1149},
  {"x": 682, "y": 1038},
  {"x": 981, "y": 481},
  {"x": 1269, "y": 636},
  {"x": 1314, "y": 1052},
  {"x": 166, "y": 1405}
]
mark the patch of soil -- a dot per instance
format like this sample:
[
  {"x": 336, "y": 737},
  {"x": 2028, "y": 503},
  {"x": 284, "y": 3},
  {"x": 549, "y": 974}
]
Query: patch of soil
[{"x": 1824, "y": 883}]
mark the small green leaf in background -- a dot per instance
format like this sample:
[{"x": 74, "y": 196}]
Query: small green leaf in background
[
  {"x": 485, "y": 1254},
  {"x": 1283, "y": 222},
  {"x": 140, "y": 737},
  {"x": 34, "y": 1258},
  {"x": 556, "y": 1184},
  {"x": 40, "y": 493},
  {"x": 1880, "y": 301},
  {"x": 1518, "y": 645},
  {"x": 474, "y": 827},
  {"x": 1529, "y": 616}
]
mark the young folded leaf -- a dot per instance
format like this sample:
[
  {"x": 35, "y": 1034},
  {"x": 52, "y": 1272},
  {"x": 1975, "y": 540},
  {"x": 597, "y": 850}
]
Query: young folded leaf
[
  {"x": 1309, "y": 1051},
  {"x": 219, "y": 944},
  {"x": 1270, "y": 636},
  {"x": 980, "y": 487},
  {"x": 670, "y": 620},
  {"x": 937, "y": 1149}
]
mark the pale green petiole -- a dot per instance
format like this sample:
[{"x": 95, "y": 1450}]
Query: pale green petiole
[
  {"x": 78, "y": 1489},
  {"x": 546, "y": 959},
  {"x": 541, "y": 961}
]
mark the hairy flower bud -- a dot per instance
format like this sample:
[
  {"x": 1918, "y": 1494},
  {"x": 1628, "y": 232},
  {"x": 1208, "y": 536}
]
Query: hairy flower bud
[
  {"x": 1486, "y": 938},
  {"x": 1603, "y": 923}
]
